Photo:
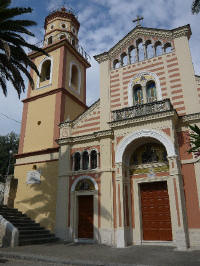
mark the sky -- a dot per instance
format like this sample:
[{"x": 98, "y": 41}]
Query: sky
[{"x": 103, "y": 24}]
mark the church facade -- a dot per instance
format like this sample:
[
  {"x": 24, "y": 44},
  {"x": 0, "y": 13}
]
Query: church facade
[{"x": 119, "y": 172}]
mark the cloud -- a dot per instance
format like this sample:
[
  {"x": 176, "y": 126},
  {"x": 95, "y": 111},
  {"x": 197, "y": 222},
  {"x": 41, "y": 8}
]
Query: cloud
[{"x": 103, "y": 24}]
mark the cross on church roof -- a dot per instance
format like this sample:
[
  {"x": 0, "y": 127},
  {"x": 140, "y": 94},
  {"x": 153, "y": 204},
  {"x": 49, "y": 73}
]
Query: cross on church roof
[{"x": 138, "y": 21}]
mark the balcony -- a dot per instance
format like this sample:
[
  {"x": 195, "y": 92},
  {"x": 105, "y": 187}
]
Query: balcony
[
  {"x": 142, "y": 110},
  {"x": 57, "y": 38}
]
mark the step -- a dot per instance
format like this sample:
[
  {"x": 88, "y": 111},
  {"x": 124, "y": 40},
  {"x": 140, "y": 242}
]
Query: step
[
  {"x": 24, "y": 223},
  {"x": 37, "y": 241},
  {"x": 13, "y": 214},
  {"x": 26, "y": 237},
  {"x": 35, "y": 232},
  {"x": 21, "y": 219},
  {"x": 27, "y": 227}
]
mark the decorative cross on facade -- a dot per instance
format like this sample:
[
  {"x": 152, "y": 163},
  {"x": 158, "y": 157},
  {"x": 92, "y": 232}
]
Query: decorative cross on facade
[{"x": 138, "y": 21}]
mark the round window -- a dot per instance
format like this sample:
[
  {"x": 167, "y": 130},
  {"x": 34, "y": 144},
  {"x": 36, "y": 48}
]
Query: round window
[
  {"x": 52, "y": 27},
  {"x": 63, "y": 26}
]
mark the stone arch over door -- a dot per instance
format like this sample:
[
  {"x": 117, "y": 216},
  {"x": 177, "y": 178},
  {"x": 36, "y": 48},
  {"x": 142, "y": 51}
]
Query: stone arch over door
[{"x": 160, "y": 136}]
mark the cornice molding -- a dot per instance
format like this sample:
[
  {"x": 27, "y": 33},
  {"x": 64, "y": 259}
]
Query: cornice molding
[
  {"x": 141, "y": 119},
  {"x": 190, "y": 117},
  {"x": 146, "y": 32},
  {"x": 86, "y": 138}
]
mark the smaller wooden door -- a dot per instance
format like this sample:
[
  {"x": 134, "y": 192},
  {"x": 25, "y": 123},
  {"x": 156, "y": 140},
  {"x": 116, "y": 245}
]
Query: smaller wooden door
[{"x": 85, "y": 217}]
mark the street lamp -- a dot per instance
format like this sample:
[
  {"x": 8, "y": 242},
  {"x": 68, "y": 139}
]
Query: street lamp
[{"x": 10, "y": 155}]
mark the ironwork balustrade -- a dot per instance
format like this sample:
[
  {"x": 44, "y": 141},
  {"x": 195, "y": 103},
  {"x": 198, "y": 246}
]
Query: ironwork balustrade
[
  {"x": 55, "y": 38},
  {"x": 142, "y": 110}
]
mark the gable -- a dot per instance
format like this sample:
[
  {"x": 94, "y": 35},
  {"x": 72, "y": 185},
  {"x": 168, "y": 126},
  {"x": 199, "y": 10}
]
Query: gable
[
  {"x": 145, "y": 34},
  {"x": 88, "y": 122}
]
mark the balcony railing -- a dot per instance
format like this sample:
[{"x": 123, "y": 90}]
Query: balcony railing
[
  {"x": 79, "y": 48},
  {"x": 142, "y": 110}
]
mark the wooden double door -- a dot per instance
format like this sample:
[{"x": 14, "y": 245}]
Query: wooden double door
[
  {"x": 156, "y": 218},
  {"x": 85, "y": 217}
]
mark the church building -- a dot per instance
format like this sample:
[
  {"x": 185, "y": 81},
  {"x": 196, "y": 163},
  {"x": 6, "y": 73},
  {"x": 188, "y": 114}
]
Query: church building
[{"x": 117, "y": 172}]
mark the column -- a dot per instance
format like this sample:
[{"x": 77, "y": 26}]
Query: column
[
  {"x": 181, "y": 234},
  {"x": 136, "y": 55},
  {"x": 120, "y": 232},
  {"x": 145, "y": 51}
]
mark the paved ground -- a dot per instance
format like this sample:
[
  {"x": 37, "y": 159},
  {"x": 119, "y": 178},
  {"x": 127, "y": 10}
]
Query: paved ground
[{"x": 90, "y": 254}]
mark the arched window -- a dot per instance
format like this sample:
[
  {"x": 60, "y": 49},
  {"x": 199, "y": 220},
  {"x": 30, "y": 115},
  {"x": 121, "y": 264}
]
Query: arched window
[
  {"x": 124, "y": 59},
  {"x": 140, "y": 48},
  {"x": 168, "y": 47},
  {"x": 138, "y": 95},
  {"x": 85, "y": 160},
  {"x": 85, "y": 185},
  {"x": 50, "y": 40},
  {"x": 77, "y": 161},
  {"x": 73, "y": 42},
  {"x": 151, "y": 91},
  {"x": 93, "y": 159},
  {"x": 149, "y": 49},
  {"x": 62, "y": 36},
  {"x": 74, "y": 77},
  {"x": 45, "y": 71},
  {"x": 116, "y": 64},
  {"x": 158, "y": 48},
  {"x": 131, "y": 52}
]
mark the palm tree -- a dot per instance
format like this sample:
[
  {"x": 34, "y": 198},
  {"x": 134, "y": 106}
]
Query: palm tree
[
  {"x": 13, "y": 59},
  {"x": 196, "y": 6}
]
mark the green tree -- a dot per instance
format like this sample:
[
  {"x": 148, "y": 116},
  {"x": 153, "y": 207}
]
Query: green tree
[
  {"x": 13, "y": 59},
  {"x": 196, "y": 6},
  {"x": 8, "y": 143},
  {"x": 195, "y": 140}
]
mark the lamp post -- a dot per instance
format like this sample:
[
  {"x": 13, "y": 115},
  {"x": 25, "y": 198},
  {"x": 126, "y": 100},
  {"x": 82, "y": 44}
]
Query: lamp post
[{"x": 10, "y": 155}]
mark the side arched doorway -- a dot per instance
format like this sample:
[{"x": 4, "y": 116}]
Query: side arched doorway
[{"x": 84, "y": 208}]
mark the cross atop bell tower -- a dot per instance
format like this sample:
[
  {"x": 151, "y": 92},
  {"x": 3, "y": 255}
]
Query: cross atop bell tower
[{"x": 138, "y": 19}]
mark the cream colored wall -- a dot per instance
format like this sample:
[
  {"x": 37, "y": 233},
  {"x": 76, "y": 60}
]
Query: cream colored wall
[
  {"x": 39, "y": 137},
  {"x": 38, "y": 201},
  {"x": 72, "y": 109},
  {"x": 104, "y": 95},
  {"x": 106, "y": 184},
  {"x": 45, "y": 86},
  {"x": 187, "y": 75},
  {"x": 71, "y": 58}
]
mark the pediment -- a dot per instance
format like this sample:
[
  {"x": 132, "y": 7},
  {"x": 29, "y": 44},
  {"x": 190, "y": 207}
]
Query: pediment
[{"x": 144, "y": 34}]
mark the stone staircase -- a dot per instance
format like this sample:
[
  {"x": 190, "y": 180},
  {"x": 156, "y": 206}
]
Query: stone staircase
[{"x": 30, "y": 232}]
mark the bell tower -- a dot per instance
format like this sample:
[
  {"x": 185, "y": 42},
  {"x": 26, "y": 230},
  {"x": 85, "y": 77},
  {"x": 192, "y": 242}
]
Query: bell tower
[{"x": 60, "y": 91}]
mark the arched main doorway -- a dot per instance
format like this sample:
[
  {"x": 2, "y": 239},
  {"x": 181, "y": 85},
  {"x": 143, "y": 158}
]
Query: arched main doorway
[
  {"x": 147, "y": 159},
  {"x": 148, "y": 162}
]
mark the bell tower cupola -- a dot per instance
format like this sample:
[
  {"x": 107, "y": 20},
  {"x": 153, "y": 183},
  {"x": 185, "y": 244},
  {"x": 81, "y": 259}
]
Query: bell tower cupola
[{"x": 61, "y": 24}]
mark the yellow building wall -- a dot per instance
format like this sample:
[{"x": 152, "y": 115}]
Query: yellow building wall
[
  {"x": 38, "y": 201},
  {"x": 72, "y": 109},
  {"x": 39, "y": 137}
]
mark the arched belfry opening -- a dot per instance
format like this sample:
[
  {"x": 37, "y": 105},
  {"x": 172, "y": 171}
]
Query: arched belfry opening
[
  {"x": 45, "y": 70},
  {"x": 75, "y": 79}
]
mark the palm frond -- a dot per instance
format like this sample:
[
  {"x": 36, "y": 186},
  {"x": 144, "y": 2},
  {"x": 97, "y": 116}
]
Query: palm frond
[{"x": 196, "y": 6}]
